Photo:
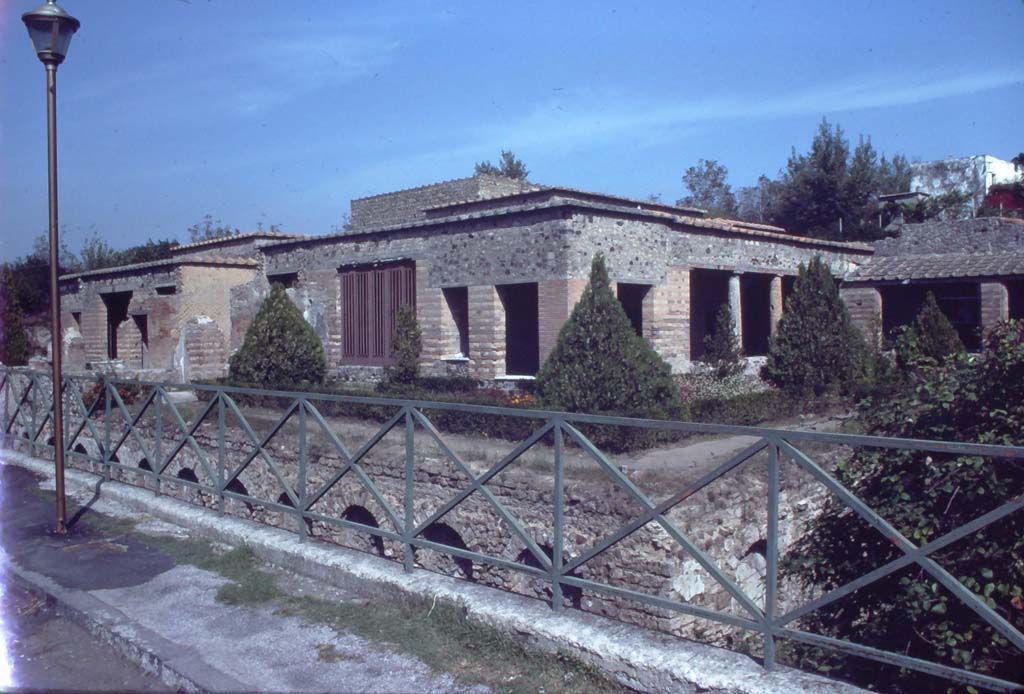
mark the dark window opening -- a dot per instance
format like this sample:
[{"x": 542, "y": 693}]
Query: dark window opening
[
  {"x": 960, "y": 302},
  {"x": 788, "y": 282},
  {"x": 117, "y": 313},
  {"x": 77, "y": 316},
  {"x": 166, "y": 290},
  {"x": 632, "y": 296},
  {"x": 142, "y": 323},
  {"x": 362, "y": 515},
  {"x": 187, "y": 474},
  {"x": 237, "y": 487},
  {"x": 288, "y": 280},
  {"x": 144, "y": 465},
  {"x": 444, "y": 534},
  {"x": 457, "y": 299},
  {"x": 1015, "y": 294},
  {"x": 370, "y": 297},
  {"x": 755, "y": 309},
  {"x": 284, "y": 500},
  {"x": 522, "y": 329},
  {"x": 573, "y": 594},
  {"x": 709, "y": 289}
]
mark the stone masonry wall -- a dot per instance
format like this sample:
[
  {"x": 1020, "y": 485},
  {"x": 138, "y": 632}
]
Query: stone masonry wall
[
  {"x": 410, "y": 205},
  {"x": 206, "y": 291},
  {"x": 553, "y": 248}
]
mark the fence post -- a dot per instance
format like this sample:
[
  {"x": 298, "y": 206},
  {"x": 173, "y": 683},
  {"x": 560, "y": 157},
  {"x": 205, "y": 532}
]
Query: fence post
[
  {"x": 106, "y": 428},
  {"x": 221, "y": 444},
  {"x": 7, "y": 407},
  {"x": 556, "y": 541},
  {"x": 772, "y": 558},
  {"x": 300, "y": 509},
  {"x": 410, "y": 471},
  {"x": 32, "y": 412},
  {"x": 158, "y": 435}
]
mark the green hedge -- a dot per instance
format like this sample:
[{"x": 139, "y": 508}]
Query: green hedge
[{"x": 748, "y": 409}]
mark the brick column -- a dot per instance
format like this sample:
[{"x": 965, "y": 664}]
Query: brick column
[
  {"x": 94, "y": 327},
  {"x": 486, "y": 332},
  {"x": 666, "y": 313},
  {"x": 775, "y": 302},
  {"x": 995, "y": 304},
  {"x": 865, "y": 307},
  {"x": 736, "y": 306},
  {"x": 430, "y": 310},
  {"x": 555, "y": 302}
]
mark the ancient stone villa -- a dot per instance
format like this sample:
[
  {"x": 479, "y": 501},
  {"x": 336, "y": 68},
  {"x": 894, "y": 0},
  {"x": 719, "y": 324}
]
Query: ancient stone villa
[{"x": 493, "y": 266}]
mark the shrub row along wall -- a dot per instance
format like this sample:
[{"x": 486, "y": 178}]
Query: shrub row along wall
[{"x": 723, "y": 520}]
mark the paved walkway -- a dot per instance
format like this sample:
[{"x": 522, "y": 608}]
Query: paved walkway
[{"x": 166, "y": 614}]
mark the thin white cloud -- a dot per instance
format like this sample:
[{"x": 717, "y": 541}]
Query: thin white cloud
[
  {"x": 585, "y": 120},
  {"x": 269, "y": 72}
]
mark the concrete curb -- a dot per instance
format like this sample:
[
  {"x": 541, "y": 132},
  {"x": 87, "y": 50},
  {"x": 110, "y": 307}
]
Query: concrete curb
[
  {"x": 174, "y": 665},
  {"x": 639, "y": 658}
]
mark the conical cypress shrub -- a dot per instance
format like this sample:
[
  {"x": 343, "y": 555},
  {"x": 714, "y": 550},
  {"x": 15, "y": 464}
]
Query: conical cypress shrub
[
  {"x": 930, "y": 338},
  {"x": 600, "y": 364},
  {"x": 281, "y": 349},
  {"x": 817, "y": 348}
]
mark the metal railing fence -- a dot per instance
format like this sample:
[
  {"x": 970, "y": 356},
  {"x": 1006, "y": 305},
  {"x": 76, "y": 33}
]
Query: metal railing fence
[{"x": 27, "y": 408}]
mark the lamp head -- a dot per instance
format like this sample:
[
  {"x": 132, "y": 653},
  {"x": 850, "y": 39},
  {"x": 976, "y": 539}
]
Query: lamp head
[{"x": 50, "y": 29}]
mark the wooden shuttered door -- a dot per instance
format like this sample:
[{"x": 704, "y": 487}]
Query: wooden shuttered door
[{"x": 370, "y": 296}]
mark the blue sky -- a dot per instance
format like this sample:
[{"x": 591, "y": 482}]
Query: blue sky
[{"x": 259, "y": 112}]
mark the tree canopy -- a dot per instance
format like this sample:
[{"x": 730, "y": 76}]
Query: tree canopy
[
  {"x": 510, "y": 166},
  {"x": 709, "y": 189},
  {"x": 830, "y": 192}
]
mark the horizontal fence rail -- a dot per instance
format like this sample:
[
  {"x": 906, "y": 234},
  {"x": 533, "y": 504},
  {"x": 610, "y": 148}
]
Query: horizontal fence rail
[{"x": 96, "y": 409}]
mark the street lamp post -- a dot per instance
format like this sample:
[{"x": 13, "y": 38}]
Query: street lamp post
[{"x": 50, "y": 29}]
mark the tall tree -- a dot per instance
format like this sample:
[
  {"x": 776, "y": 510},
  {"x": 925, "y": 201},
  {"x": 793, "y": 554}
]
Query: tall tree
[
  {"x": 833, "y": 193},
  {"x": 709, "y": 189},
  {"x": 510, "y": 166},
  {"x": 758, "y": 203},
  {"x": 812, "y": 197}
]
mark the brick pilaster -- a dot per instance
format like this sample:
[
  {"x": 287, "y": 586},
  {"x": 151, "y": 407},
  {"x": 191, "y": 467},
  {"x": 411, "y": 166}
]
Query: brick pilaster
[
  {"x": 666, "y": 314},
  {"x": 556, "y": 300},
  {"x": 486, "y": 332},
  {"x": 995, "y": 304}
]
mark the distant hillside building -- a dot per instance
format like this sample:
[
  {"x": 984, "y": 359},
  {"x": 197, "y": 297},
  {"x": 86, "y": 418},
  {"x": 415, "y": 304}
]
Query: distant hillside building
[{"x": 973, "y": 175}]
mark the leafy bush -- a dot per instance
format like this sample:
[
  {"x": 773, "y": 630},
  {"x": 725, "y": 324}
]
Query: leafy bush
[
  {"x": 931, "y": 338},
  {"x": 13, "y": 337},
  {"x": 722, "y": 349},
  {"x": 405, "y": 347},
  {"x": 816, "y": 348},
  {"x": 747, "y": 409},
  {"x": 967, "y": 398},
  {"x": 281, "y": 349},
  {"x": 600, "y": 364}
]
